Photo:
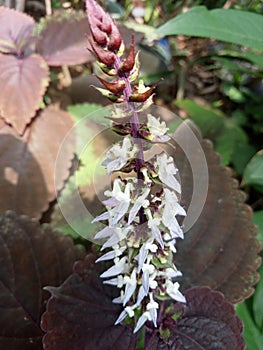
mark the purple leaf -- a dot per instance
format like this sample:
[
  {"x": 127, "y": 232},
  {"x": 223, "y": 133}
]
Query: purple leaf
[
  {"x": 64, "y": 39},
  {"x": 31, "y": 257},
  {"x": 220, "y": 250},
  {"x": 28, "y": 163},
  {"x": 16, "y": 31},
  {"x": 207, "y": 322},
  {"x": 22, "y": 85},
  {"x": 80, "y": 314}
]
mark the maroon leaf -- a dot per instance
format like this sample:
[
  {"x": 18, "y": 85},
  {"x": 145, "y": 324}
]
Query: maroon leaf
[
  {"x": 28, "y": 163},
  {"x": 22, "y": 85},
  {"x": 220, "y": 250},
  {"x": 16, "y": 31},
  {"x": 80, "y": 314},
  {"x": 31, "y": 258},
  {"x": 208, "y": 322},
  {"x": 64, "y": 39}
]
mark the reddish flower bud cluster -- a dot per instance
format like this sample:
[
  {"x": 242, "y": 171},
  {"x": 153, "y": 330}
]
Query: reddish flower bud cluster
[{"x": 108, "y": 47}]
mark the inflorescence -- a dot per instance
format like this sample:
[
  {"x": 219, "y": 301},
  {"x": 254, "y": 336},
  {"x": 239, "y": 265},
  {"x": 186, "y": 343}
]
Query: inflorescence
[{"x": 141, "y": 226}]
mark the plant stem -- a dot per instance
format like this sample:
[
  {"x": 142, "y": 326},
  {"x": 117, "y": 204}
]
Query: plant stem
[{"x": 135, "y": 126}]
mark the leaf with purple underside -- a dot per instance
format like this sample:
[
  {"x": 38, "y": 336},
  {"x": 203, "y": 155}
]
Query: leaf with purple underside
[
  {"x": 220, "y": 250},
  {"x": 63, "y": 39},
  {"x": 31, "y": 257},
  {"x": 207, "y": 322},
  {"x": 28, "y": 163},
  {"x": 80, "y": 313},
  {"x": 23, "y": 82}
]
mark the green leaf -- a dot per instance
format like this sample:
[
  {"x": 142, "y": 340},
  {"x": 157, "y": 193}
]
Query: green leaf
[
  {"x": 233, "y": 92},
  {"x": 242, "y": 154},
  {"x": 253, "y": 174},
  {"x": 258, "y": 300},
  {"x": 234, "y": 26},
  {"x": 95, "y": 112},
  {"x": 226, "y": 143},
  {"x": 253, "y": 338},
  {"x": 209, "y": 121},
  {"x": 258, "y": 220},
  {"x": 87, "y": 134},
  {"x": 66, "y": 220}
]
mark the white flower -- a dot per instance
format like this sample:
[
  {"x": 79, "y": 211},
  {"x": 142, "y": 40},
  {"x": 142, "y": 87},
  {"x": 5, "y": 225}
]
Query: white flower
[
  {"x": 128, "y": 311},
  {"x": 152, "y": 307},
  {"x": 105, "y": 232},
  {"x": 147, "y": 180},
  {"x": 119, "y": 299},
  {"x": 144, "y": 317},
  {"x": 120, "y": 266},
  {"x": 117, "y": 251},
  {"x": 172, "y": 289},
  {"x": 166, "y": 171},
  {"x": 143, "y": 253},
  {"x": 119, "y": 154},
  {"x": 153, "y": 224},
  {"x": 141, "y": 201},
  {"x": 131, "y": 284},
  {"x": 148, "y": 270},
  {"x": 157, "y": 129},
  {"x": 118, "y": 234},
  {"x": 171, "y": 209},
  {"x": 117, "y": 281},
  {"x": 121, "y": 206}
]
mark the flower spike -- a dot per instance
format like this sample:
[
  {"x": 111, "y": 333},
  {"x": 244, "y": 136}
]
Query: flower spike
[{"x": 141, "y": 225}]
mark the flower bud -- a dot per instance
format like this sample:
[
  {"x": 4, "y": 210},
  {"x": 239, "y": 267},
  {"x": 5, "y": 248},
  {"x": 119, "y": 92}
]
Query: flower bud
[
  {"x": 128, "y": 63},
  {"x": 115, "y": 87}
]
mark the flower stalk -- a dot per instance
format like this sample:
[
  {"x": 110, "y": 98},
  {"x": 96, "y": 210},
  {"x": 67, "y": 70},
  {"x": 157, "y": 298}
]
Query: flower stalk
[{"x": 141, "y": 211}]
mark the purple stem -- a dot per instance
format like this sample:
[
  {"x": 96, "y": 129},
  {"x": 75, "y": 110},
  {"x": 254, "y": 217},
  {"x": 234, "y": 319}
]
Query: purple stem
[{"x": 135, "y": 126}]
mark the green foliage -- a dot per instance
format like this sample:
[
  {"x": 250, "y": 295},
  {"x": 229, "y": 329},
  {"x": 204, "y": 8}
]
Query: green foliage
[
  {"x": 231, "y": 142},
  {"x": 239, "y": 27},
  {"x": 86, "y": 149},
  {"x": 253, "y": 318},
  {"x": 210, "y": 121},
  {"x": 253, "y": 174},
  {"x": 258, "y": 220},
  {"x": 252, "y": 335}
]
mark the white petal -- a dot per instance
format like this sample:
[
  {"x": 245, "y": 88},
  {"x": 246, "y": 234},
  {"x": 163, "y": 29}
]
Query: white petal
[
  {"x": 141, "y": 295},
  {"x": 142, "y": 257},
  {"x": 130, "y": 288},
  {"x": 112, "y": 282},
  {"x": 113, "y": 240},
  {"x": 172, "y": 289},
  {"x": 145, "y": 281},
  {"x": 103, "y": 216},
  {"x": 172, "y": 273},
  {"x": 157, "y": 236},
  {"x": 121, "y": 317},
  {"x": 119, "y": 211},
  {"x": 105, "y": 232},
  {"x": 117, "y": 269},
  {"x": 108, "y": 256},
  {"x": 140, "y": 201},
  {"x": 153, "y": 313},
  {"x": 119, "y": 299},
  {"x": 144, "y": 317},
  {"x": 112, "y": 254}
]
